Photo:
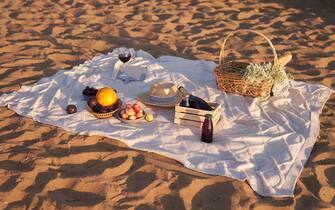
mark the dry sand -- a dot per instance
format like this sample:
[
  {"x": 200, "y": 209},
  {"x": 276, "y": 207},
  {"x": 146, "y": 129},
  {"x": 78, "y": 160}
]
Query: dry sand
[{"x": 45, "y": 167}]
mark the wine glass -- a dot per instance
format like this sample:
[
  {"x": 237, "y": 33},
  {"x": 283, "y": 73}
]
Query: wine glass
[{"x": 124, "y": 57}]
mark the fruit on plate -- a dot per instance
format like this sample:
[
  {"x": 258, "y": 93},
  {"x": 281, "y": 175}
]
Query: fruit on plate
[
  {"x": 137, "y": 107},
  {"x": 106, "y": 96},
  {"x": 149, "y": 117},
  {"x": 92, "y": 102},
  {"x": 132, "y": 117},
  {"x": 139, "y": 114},
  {"x": 123, "y": 114},
  {"x": 129, "y": 105},
  {"x": 70, "y": 109},
  {"x": 132, "y": 112}
]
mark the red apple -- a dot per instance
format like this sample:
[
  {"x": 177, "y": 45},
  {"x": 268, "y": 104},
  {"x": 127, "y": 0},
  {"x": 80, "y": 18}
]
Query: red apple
[
  {"x": 130, "y": 111},
  {"x": 124, "y": 116},
  {"x": 137, "y": 104},
  {"x": 137, "y": 109},
  {"x": 139, "y": 114}
]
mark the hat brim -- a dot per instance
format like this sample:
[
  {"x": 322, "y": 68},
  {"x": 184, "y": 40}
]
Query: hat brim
[{"x": 145, "y": 99}]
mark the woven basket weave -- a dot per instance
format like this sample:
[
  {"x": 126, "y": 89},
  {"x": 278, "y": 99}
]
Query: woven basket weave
[{"x": 233, "y": 82}]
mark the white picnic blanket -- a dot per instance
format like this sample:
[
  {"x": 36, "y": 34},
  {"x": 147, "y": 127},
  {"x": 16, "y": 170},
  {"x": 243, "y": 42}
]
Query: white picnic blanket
[{"x": 266, "y": 142}]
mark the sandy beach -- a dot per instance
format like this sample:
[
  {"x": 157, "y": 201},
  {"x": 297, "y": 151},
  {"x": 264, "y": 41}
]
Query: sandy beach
[{"x": 45, "y": 167}]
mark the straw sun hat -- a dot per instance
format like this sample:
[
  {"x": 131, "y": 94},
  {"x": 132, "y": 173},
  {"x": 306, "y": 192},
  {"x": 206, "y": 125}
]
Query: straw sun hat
[{"x": 162, "y": 95}]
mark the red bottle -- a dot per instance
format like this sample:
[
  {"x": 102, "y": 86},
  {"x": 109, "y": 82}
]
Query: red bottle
[{"x": 207, "y": 129}]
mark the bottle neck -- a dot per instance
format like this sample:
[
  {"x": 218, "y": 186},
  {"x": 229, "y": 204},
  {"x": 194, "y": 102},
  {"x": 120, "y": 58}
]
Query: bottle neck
[
  {"x": 183, "y": 91},
  {"x": 187, "y": 101},
  {"x": 208, "y": 117}
]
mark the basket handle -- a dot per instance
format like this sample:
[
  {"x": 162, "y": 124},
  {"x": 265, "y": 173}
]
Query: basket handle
[{"x": 251, "y": 31}]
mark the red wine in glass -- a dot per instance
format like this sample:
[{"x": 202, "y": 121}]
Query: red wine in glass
[{"x": 124, "y": 57}]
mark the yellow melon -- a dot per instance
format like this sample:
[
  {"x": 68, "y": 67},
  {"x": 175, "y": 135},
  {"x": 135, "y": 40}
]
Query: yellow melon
[{"x": 106, "y": 96}]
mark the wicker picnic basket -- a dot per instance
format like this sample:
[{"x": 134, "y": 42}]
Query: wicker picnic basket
[{"x": 233, "y": 82}]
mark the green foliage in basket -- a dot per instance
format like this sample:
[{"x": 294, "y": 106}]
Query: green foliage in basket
[{"x": 256, "y": 73}]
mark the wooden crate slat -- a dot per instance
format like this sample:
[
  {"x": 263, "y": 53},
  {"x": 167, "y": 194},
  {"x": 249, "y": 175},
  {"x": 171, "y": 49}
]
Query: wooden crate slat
[
  {"x": 194, "y": 117},
  {"x": 198, "y": 111},
  {"x": 187, "y": 122},
  {"x": 194, "y": 123},
  {"x": 214, "y": 120}
]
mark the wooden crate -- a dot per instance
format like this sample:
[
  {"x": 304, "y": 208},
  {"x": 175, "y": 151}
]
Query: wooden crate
[{"x": 195, "y": 117}]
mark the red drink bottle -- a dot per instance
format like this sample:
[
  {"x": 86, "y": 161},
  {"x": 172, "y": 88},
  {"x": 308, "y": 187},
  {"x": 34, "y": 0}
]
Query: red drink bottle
[{"x": 207, "y": 129}]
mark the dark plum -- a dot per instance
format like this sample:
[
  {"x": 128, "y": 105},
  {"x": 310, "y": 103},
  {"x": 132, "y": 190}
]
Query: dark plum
[
  {"x": 70, "y": 109},
  {"x": 92, "y": 102}
]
